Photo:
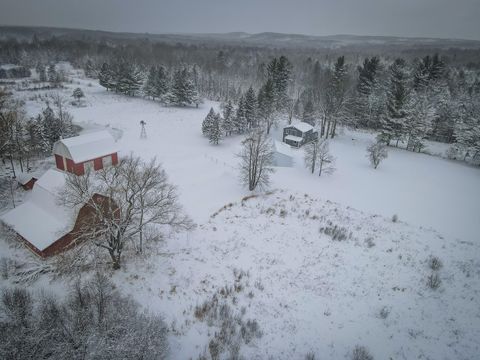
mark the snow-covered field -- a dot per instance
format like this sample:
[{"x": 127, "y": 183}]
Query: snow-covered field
[{"x": 307, "y": 291}]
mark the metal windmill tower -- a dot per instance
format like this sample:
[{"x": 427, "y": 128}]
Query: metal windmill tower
[{"x": 143, "y": 133}]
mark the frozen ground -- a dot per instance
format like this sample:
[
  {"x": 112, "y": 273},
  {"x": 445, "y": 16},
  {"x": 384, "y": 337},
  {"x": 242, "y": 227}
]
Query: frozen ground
[{"x": 309, "y": 292}]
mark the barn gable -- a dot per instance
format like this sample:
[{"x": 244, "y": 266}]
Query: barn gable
[{"x": 89, "y": 151}]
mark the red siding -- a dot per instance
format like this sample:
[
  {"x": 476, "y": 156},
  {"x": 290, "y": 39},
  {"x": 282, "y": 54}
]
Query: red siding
[
  {"x": 29, "y": 184},
  {"x": 59, "y": 162},
  {"x": 70, "y": 165},
  {"x": 79, "y": 169},
  {"x": 114, "y": 159},
  {"x": 98, "y": 164}
]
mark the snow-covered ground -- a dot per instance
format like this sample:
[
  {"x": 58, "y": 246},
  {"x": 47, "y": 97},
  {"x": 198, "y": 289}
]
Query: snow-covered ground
[{"x": 308, "y": 292}]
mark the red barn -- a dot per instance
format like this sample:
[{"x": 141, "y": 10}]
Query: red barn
[
  {"x": 92, "y": 151},
  {"x": 42, "y": 222}
]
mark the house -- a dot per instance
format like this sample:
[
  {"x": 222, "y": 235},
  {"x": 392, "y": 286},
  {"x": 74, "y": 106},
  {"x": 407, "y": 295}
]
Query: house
[
  {"x": 282, "y": 154},
  {"x": 299, "y": 134},
  {"x": 92, "y": 151},
  {"x": 43, "y": 223}
]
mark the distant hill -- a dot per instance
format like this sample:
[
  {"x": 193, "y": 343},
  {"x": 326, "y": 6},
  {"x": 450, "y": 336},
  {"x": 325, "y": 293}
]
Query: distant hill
[{"x": 266, "y": 39}]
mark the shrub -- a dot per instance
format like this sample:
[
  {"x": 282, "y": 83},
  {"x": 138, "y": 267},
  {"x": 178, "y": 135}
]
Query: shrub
[
  {"x": 384, "y": 312},
  {"x": 395, "y": 218},
  {"x": 434, "y": 281},
  {"x": 435, "y": 263},
  {"x": 310, "y": 356},
  {"x": 361, "y": 353},
  {"x": 337, "y": 233}
]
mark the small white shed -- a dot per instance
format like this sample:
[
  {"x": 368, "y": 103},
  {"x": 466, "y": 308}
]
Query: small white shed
[{"x": 282, "y": 155}]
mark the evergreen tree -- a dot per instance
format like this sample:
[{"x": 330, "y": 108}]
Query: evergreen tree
[
  {"x": 266, "y": 104},
  {"x": 240, "y": 119},
  {"x": 182, "y": 92},
  {"x": 398, "y": 102},
  {"x": 51, "y": 128},
  {"x": 161, "y": 83},
  {"x": 105, "y": 77},
  {"x": 53, "y": 76},
  {"x": 149, "y": 88},
  {"x": 215, "y": 130},
  {"x": 251, "y": 108},
  {"x": 228, "y": 118},
  {"x": 78, "y": 94},
  {"x": 42, "y": 75},
  {"x": 207, "y": 122}
]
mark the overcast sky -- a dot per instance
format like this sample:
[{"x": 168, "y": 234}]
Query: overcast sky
[{"x": 428, "y": 18}]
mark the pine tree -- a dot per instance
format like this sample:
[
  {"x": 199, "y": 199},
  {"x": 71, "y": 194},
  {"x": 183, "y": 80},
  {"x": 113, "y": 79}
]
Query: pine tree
[
  {"x": 228, "y": 118},
  {"x": 251, "y": 108},
  {"x": 182, "y": 92},
  {"x": 53, "y": 76},
  {"x": 398, "y": 102},
  {"x": 266, "y": 104},
  {"x": 161, "y": 82},
  {"x": 207, "y": 122},
  {"x": 240, "y": 119},
  {"x": 51, "y": 128},
  {"x": 215, "y": 130},
  {"x": 78, "y": 94},
  {"x": 105, "y": 77},
  {"x": 149, "y": 88}
]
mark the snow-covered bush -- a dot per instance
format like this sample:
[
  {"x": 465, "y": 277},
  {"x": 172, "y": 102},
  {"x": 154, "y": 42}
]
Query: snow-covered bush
[
  {"x": 377, "y": 152},
  {"x": 361, "y": 353},
  {"x": 435, "y": 263},
  {"x": 434, "y": 281},
  {"x": 337, "y": 233}
]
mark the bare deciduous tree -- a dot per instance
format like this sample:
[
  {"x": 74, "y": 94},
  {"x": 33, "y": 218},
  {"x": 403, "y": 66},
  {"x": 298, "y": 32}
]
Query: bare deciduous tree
[
  {"x": 376, "y": 152},
  {"x": 256, "y": 159},
  {"x": 317, "y": 154},
  {"x": 94, "y": 322},
  {"x": 122, "y": 201}
]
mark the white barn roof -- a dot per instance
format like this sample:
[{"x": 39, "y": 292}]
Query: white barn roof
[
  {"x": 302, "y": 126},
  {"x": 86, "y": 147},
  {"x": 41, "y": 220}
]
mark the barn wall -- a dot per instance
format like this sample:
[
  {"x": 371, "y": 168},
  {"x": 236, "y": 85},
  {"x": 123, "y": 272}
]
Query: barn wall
[
  {"x": 79, "y": 169},
  {"x": 114, "y": 159},
  {"x": 70, "y": 165},
  {"x": 98, "y": 164},
  {"x": 59, "y": 162}
]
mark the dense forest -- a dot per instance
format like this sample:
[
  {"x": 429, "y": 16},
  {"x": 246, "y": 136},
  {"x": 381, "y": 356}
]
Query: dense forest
[{"x": 407, "y": 96}]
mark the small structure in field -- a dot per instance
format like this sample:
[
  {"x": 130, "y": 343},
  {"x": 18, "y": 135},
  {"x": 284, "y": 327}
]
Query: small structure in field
[
  {"x": 282, "y": 155},
  {"x": 27, "y": 179},
  {"x": 92, "y": 151},
  {"x": 299, "y": 134}
]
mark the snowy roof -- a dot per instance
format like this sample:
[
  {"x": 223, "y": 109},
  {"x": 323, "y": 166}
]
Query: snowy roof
[
  {"x": 282, "y": 148},
  {"x": 25, "y": 177},
  {"x": 293, "y": 138},
  {"x": 41, "y": 220},
  {"x": 302, "y": 126},
  {"x": 86, "y": 147}
]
